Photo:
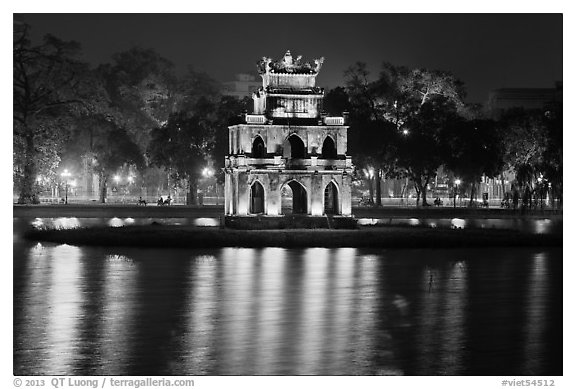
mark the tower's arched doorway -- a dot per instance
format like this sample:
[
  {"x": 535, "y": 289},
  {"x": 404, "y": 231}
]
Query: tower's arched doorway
[
  {"x": 258, "y": 148},
  {"x": 256, "y": 198},
  {"x": 329, "y": 148},
  {"x": 331, "y": 206},
  {"x": 294, "y": 199},
  {"x": 296, "y": 147}
]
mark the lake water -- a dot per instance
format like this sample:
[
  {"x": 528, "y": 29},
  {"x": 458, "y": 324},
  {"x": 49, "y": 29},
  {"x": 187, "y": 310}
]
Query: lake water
[{"x": 132, "y": 311}]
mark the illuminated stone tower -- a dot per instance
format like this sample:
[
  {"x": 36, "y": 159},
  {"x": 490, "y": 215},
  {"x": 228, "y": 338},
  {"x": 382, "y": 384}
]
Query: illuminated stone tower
[{"x": 288, "y": 157}]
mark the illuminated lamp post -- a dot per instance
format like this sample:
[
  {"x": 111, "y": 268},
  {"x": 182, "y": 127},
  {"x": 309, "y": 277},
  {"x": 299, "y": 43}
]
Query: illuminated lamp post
[
  {"x": 541, "y": 186},
  {"x": 370, "y": 175},
  {"x": 65, "y": 174},
  {"x": 456, "y": 182},
  {"x": 207, "y": 172}
]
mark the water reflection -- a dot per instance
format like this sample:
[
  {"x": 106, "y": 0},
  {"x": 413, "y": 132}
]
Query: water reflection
[
  {"x": 532, "y": 225},
  {"x": 284, "y": 311},
  {"x": 535, "y": 310},
  {"x": 116, "y": 315}
]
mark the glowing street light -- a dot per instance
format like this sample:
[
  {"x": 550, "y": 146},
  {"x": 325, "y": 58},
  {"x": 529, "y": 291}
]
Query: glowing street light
[
  {"x": 65, "y": 174},
  {"x": 207, "y": 172},
  {"x": 456, "y": 182},
  {"x": 405, "y": 132},
  {"x": 117, "y": 178}
]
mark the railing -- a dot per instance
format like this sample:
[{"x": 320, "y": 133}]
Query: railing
[
  {"x": 334, "y": 121},
  {"x": 233, "y": 161},
  {"x": 255, "y": 119}
]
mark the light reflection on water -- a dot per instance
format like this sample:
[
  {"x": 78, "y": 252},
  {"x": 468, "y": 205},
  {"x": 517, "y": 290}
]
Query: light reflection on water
[
  {"x": 62, "y": 223},
  {"x": 532, "y": 225},
  {"x": 286, "y": 311}
]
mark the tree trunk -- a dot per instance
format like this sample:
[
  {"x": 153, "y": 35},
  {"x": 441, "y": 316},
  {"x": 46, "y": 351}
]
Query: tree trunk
[
  {"x": 371, "y": 190},
  {"x": 103, "y": 187},
  {"x": 424, "y": 190},
  {"x": 417, "y": 187},
  {"x": 27, "y": 193},
  {"x": 378, "y": 189},
  {"x": 472, "y": 192},
  {"x": 192, "y": 191}
]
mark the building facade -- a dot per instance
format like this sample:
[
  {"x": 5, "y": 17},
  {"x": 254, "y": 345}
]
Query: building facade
[
  {"x": 243, "y": 86},
  {"x": 288, "y": 157},
  {"x": 500, "y": 100}
]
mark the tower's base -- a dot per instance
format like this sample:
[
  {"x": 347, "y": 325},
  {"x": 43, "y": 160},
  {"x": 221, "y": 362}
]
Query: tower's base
[{"x": 263, "y": 222}]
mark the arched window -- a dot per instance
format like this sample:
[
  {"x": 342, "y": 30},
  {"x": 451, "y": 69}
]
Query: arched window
[
  {"x": 297, "y": 148},
  {"x": 331, "y": 200},
  {"x": 258, "y": 148},
  {"x": 294, "y": 198},
  {"x": 329, "y": 148},
  {"x": 256, "y": 198}
]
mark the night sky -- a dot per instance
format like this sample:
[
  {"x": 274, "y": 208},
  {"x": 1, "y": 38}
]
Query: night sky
[{"x": 486, "y": 51}]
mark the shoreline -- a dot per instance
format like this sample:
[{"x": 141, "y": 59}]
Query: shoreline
[
  {"x": 214, "y": 211},
  {"x": 160, "y": 236}
]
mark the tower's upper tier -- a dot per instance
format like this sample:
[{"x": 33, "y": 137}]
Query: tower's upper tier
[
  {"x": 289, "y": 73},
  {"x": 288, "y": 89}
]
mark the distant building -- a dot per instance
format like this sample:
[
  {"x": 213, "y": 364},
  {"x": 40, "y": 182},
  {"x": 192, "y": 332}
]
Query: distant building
[
  {"x": 500, "y": 100},
  {"x": 243, "y": 86}
]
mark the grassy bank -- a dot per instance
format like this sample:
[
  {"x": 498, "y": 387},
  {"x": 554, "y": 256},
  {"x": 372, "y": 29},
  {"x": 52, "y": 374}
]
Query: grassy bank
[{"x": 384, "y": 237}]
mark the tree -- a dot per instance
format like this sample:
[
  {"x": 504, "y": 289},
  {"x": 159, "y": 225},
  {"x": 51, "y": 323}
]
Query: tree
[
  {"x": 418, "y": 150},
  {"x": 336, "y": 101},
  {"x": 108, "y": 147},
  {"x": 229, "y": 112},
  {"x": 533, "y": 147},
  {"x": 552, "y": 166},
  {"x": 183, "y": 145},
  {"x": 142, "y": 90},
  {"x": 474, "y": 148},
  {"x": 526, "y": 142},
  {"x": 365, "y": 141},
  {"x": 49, "y": 89},
  {"x": 408, "y": 99}
]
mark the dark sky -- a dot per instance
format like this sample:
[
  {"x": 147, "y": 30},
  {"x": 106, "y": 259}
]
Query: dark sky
[{"x": 486, "y": 51}]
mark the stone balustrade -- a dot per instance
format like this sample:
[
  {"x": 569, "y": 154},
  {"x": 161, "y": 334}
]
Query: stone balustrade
[
  {"x": 255, "y": 119},
  {"x": 334, "y": 121},
  {"x": 279, "y": 162}
]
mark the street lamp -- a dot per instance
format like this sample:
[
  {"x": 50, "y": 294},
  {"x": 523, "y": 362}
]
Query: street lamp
[
  {"x": 456, "y": 182},
  {"x": 207, "y": 172},
  {"x": 541, "y": 190},
  {"x": 65, "y": 174}
]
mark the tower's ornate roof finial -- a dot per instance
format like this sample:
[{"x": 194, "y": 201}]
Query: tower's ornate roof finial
[
  {"x": 288, "y": 65},
  {"x": 288, "y": 59}
]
